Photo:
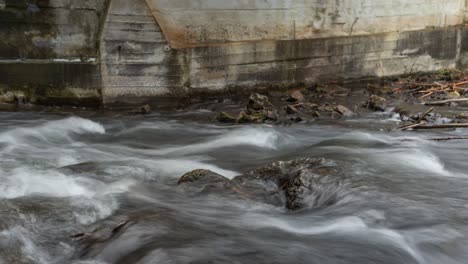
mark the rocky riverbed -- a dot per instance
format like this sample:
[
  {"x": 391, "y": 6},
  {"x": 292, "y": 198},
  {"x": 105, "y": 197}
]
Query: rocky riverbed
[{"x": 317, "y": 185}]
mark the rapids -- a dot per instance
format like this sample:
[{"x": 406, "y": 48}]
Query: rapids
[{"x": 406, "y": 198}]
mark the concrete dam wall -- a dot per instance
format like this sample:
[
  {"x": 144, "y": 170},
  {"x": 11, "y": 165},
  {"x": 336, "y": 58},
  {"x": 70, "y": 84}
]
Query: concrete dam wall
[{"x": 131, "y": 51}]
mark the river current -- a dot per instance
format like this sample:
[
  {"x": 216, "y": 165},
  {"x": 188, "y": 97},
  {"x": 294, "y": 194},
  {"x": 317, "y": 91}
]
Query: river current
[{"x": 406, "y": 199}]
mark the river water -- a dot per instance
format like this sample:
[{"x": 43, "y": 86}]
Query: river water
[{"x": 405, "y": 201}]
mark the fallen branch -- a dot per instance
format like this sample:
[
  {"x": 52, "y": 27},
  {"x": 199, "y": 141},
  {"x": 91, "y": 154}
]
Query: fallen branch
[
  {"x": 425, "y": 114},
  {"x": 119, "y": 227},
  {"x": 454, "y": 125},
  {"x": 447, "y": 101},
  {"x": 410, "y": 126},
  {"x": 426, "y": 95},
  {"x": 297, "y": 105},
  {"x": 449, "y": 138},
  {"x": 461, "y": 83}
]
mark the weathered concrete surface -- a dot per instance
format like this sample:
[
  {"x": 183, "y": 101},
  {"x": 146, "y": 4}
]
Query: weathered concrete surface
[
  {"x": 137, "y": 61},
  {"x": 188, "y": 23},
  {"x": 52, "y": 83},
  {"x": 295, "y": 61},
  {"x": 132, "y": 51},
  {"x": 49, "y": 49},
  {"x": 49, "y": 29}
]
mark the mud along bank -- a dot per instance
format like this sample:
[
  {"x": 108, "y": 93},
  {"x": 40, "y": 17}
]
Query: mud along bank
[{"x": 132, "y": 52}]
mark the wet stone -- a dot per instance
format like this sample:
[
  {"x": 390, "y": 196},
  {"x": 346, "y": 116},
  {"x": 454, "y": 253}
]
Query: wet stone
[
  {"x": 344, "y": 111},
  {"x": 290, "y": 109},
  {"x": 296, "y": 96},
  {"x": 295, "y": 184},
  {"x": 204, "y": 180},
  {"x": 259, "y": 102},
  {"x": 462, "y": 116},
  {"x": 377, "y": 103},
  {"x": 141, "y": 110},
  {"x": 224, "y": 117},
  {"x": 201, "y": 176}
]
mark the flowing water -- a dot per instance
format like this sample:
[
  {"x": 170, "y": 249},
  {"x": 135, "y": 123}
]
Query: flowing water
[{"x": 405, "y": 200}]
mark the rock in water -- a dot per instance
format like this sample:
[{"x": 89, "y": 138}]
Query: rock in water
[
  {"x": 201, "y": 177},
  {"x": 258, "y": 102},
  {"x": 344, "y": 111},
  {"x": 293, "y": 184},
  {"x": 224, "y": 117},
  {"x": 259, "y": 109},
  {"x": 313, "y": 187},
  {"x": 205, "y": 180},
  {"x": 256, "y": 117},
  {"x": 141, "y": 110},
  {"x": 377, "y": 103}
]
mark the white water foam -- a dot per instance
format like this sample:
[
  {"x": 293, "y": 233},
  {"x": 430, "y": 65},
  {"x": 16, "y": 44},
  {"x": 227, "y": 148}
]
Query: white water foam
[
  {"x": 351, "y": 225},
  {"x": 261, "y": 137},
  {"x": 363, "y": 137},
  {"x": 177, "y": 167},
  {"x": 92, "y": 199},
  {"x": 23, "y": 182},
  {"x": 28, "y": 248},
  {"x": 412, "y": 159},
  {"x": 410, "y": 153},
  {"x": 53, "y": 131}
]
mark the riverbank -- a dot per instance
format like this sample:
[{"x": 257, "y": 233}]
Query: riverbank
[{"x": 406, "y": 98}]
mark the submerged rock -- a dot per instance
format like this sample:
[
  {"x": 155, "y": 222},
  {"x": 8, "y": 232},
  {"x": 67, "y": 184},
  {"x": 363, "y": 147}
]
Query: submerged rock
[
  {"x": 313, "y": 187},
  {"x": 294, "y": 184},
  {"x": 377, "y": 103}
]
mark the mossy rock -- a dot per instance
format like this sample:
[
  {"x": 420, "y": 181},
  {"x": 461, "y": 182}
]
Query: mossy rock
[{"x": 224, "y": 117}]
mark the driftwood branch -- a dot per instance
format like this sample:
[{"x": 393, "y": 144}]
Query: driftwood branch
[
  {"x": 447, "y": 101},
  {"x": 410, "y": 126},
  {"x": 454, "y": 125},
  {"x": 461, "y": 83},
  {"x": 425, "y": 114},
  {"x": 449, "y": 138}
]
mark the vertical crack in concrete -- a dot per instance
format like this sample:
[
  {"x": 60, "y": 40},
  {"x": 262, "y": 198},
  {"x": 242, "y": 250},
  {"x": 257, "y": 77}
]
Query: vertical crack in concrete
[{"x": 352, "y": 26}]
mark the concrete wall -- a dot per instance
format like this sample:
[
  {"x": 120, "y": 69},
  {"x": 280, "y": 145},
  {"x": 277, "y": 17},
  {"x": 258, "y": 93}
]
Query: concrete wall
[
  {"x": 237, "y": 44},
  {"x": 190, "y": 23},
  {"x": 49, "y": 49},
  {"x": 137, "y": 61},
  {"x": 131, "y": 51},
  {"x": 295, "y": 61}
]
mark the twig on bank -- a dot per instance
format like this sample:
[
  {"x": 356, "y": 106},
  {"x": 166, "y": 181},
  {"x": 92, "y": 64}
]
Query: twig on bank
[
  {"x": 426, "y": 95},
  {"x": 460, "y": 83}
]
